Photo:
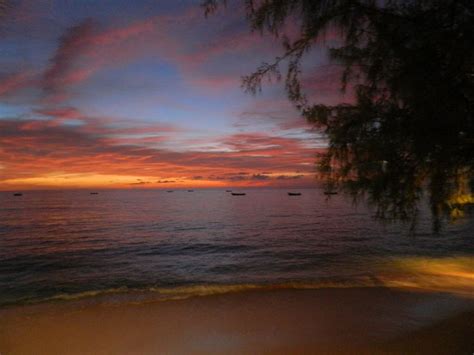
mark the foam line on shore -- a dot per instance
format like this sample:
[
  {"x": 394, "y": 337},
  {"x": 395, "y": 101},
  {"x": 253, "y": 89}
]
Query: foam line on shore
[{"x": 453, "y": 275}]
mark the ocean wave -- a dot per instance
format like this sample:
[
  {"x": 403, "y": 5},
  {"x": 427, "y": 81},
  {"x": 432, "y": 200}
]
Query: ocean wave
[
  {"x": 147, "y": 294},
  {"x": 453, "y": 275}
]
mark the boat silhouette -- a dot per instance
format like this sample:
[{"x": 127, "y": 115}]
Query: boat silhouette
[
  {"x": 238, "y": 193},
  {"x": 294, "y": 193}
]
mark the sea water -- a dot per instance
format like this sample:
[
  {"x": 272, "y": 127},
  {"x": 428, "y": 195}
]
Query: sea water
[{"x": 72, "y": 244}]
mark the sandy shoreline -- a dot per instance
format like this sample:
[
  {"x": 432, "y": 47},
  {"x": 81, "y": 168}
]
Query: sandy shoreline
[{"x": 356, "y": 320}]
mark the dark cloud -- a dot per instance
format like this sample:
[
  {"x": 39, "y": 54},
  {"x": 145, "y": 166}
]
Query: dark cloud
[
  {"x": 259, "y": 177},
  {"x": 237, "y": 178},
  {"x": 141, "y": 183},
  {"x": 289, "y": 177}
]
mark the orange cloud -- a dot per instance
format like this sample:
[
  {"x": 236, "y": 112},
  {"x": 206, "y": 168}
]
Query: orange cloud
[{"x": 36, "y": 153}]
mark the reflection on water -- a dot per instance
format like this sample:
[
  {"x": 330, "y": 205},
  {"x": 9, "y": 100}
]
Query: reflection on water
[
  {"x": 449, "y": 274},
  {"x": 61, "y": 244}
]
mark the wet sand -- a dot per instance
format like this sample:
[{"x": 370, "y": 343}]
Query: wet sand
[{"x": 355, "y": 320}]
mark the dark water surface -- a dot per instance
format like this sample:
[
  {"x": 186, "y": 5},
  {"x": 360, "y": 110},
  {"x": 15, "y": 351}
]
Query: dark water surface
[{"x": 60, "y": 244}]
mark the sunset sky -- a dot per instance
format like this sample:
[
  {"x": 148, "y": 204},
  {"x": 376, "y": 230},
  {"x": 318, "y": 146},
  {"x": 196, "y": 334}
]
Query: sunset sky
[{"x": 147, "y": 94}]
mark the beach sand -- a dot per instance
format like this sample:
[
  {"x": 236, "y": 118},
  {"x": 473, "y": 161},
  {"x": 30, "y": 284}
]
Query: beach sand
[{"x": 324, "y": 321}]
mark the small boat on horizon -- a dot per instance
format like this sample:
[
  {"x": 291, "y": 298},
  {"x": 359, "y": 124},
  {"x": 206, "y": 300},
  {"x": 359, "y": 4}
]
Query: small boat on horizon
[
  {"x": 169, "y": 191},
  {"x": 94, "y": 193},
  {"x": 330, "y": 192},
  {"x": 238, "y": 193},
  {"x": 294, "y": 193},
  {"x": 190, "y": 190},
  {"x": 228, "y": 190},
  {"x": 17, "y": 194}
]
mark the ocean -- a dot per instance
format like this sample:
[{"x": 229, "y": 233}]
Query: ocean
[{"x": 141, "y": 244}]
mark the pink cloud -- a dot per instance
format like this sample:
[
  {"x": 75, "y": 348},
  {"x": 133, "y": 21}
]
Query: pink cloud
[
  {"x": 322, "y": 84},
  {"x": 60, "y": 112},
  {"x": 85, "y": 49},
  {"x": 115, "y": 35},
  {"x": 72, "y": 44},
  {"x": 13, "y": 82}
]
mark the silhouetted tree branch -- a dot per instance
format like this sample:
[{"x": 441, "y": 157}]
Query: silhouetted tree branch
[{"x": 411, "y": 64}]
